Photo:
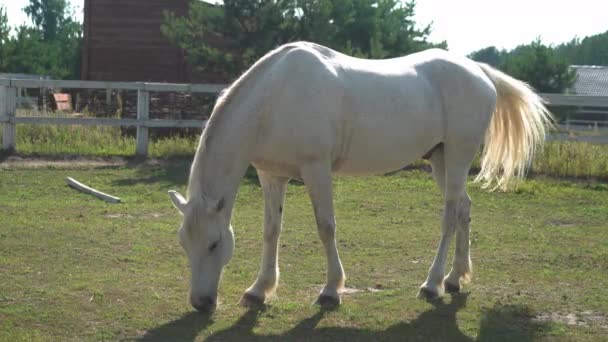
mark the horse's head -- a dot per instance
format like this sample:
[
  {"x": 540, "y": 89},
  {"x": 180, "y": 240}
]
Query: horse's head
[{"x": 207, "y": 238}]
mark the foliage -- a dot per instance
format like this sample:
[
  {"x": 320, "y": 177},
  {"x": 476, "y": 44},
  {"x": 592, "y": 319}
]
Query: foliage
[
  {"x": 546, "y": 67},
  {"x": 50, "y": 47},
  {"x": 4, "y": 37},
  {"x": 538, "y": 65},
  {"x": 490, "y": 55},
  {"x": 49, "y": 16},
  {"x": 244, "y": 30},
  {"x": 535, "y": 63},
  {"x": 592, "y": 50},
  {"x": 76, "y": 268}
]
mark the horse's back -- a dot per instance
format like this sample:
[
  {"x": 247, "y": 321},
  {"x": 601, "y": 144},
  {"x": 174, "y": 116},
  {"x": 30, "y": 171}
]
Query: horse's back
[{"x": 364, "y": 116}]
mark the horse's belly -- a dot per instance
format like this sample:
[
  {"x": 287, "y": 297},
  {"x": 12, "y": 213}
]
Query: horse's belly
[{"x": 372, "y": 151}]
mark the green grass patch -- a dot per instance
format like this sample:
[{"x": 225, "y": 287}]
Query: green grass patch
[
  {"x": 97, "y": 141},
  {"x": 572, "y": 159},
  {"x": 75, "y": 268}
]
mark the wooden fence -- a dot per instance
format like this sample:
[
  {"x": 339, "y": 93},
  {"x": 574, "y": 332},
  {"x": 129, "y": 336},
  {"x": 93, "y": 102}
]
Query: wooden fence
[
  {"x": 9, "y": 119},
  {"x": 8, "y": 96}
]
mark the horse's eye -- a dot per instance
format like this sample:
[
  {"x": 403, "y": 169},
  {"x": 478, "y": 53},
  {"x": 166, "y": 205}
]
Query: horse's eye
[{"x": 213, "y": 246}]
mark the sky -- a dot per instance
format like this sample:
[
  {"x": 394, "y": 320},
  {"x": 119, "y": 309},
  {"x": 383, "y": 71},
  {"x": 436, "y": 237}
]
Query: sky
[{"x": 469, "y": 25}]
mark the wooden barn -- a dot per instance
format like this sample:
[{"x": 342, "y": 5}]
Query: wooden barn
[{"x": 123, "y": 42}]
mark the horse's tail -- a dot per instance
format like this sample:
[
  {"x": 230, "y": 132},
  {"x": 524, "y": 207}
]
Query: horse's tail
[{"x": 516, "y": 129}]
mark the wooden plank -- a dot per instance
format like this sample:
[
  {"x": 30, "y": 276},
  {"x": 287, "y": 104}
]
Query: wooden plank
[
  {"x": 143, "y": 113},
  {"x": 74, "y": 84},
  {"x": 581, "y": 138},
  {"x": 151, "y": 123},
  {"x": 148, "y": 86},
  {"x": 575, "y": 100},
  {"x": 576, "y": 127},
  {"x": 88, "y": 190},
  {"x": 176, "y": 123},
  {"x": 603, "y": 122},
  {"x": 208, "y": 88},
  {"x": 8, "y": 108},
  {"x": 187, "y": 88},
  {"x": 49, "y": 120}
]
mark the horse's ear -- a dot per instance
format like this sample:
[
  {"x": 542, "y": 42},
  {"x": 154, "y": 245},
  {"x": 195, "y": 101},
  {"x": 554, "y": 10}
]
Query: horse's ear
[
  {"x": 214, "y": 206},
  {"x": 178, "y": 200}
]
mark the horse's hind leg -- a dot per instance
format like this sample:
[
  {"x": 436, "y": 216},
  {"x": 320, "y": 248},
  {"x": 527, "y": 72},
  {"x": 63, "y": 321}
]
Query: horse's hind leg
[
  {"x": 317, "y": 178},
  {"x": 450, "y": 169},
  {"x": 462, "y": 268},
  {"x": 268, "y": 277}
]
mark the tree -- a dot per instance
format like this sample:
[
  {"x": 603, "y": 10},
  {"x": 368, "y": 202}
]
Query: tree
[
  {"x": 4, "y": 37},
  {"x": 49, "y": 16},
  {"x": 592, "y": 50},
  {"x": 51, "y": 46},
  {"x": 4, "y": 28},
  {"x": 539, "y": 65},
  {"x": 490, "y": 55},
  {"x": 250, "y": 28}
]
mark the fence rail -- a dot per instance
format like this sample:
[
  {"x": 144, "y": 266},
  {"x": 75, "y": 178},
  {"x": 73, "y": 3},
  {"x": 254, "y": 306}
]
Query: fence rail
[
  {"x": 9, "y": 120},
  {"x": 8, "y": 106}
]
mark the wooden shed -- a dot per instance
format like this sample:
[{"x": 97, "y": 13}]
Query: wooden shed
[{"x": 123, "y": 42}]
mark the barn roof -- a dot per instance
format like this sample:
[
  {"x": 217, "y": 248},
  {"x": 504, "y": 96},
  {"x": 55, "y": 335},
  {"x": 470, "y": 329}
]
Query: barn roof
[{"x": 591, "y": 80}]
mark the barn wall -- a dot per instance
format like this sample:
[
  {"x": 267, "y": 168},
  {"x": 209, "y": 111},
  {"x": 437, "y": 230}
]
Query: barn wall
[{"x": 123, "y": 42}]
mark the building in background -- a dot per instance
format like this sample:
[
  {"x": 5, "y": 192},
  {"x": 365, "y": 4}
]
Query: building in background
[
  {"x": 591, "y": 80},
  {"x": 123, "y": 42}
]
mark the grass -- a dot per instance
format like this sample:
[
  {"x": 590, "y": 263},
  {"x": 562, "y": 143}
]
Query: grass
[
  {"x": 99, "y": 141},
  {"x": 75, "y": 268},
  {"x": 572, "y": 159}
]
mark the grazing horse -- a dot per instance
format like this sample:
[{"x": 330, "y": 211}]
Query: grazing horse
[{"x": 306, "y": 112}]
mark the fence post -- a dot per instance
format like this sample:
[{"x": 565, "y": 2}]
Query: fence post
[
  {"x": 8, "y": 107},
  {"x": 143, "y": 114}
]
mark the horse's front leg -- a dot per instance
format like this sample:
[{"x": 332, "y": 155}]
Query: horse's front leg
[
  {"x": 317, "y": 177},
  {"x": 268, "y": 277}
]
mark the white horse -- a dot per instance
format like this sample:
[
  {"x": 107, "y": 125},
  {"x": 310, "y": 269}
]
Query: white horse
[{"x": 306, "y": 112}]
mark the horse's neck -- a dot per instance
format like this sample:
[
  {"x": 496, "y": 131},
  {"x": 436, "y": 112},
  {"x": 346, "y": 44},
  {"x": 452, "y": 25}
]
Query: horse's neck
[{"x": 221, "y": 160}]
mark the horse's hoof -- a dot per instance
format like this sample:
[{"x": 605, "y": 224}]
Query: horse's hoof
[
  {"x": 428, "y": 294},
  {"x": 251, "y": 301},
  {"x": 450, "y": 288},
  {"x": 328, "y": 302}
]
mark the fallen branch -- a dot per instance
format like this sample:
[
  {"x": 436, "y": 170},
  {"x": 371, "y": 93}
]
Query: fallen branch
[{"x": 87, "y": 190}]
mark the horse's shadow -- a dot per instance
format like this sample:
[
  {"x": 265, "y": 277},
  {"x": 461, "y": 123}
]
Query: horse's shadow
[
  {"x": 185, "y": 328},
  {"x": 501, "y": 323}
]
